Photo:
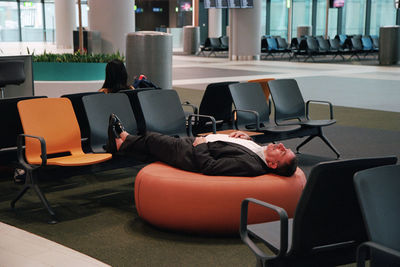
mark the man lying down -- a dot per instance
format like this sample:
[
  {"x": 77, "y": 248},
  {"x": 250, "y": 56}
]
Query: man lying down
[{"x": 215, "y": 154}]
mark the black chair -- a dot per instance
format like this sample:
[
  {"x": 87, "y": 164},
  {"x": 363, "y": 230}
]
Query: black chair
[
  {"x": 163, "y": 113},
  {"x": 98, "y": 108},
  {"x": 11, "y": 72},
  {"x": 357, "y": 47},
  {"x": 327, "y": 225},
  {"x": 76, "y": 100},
  {"x": 252, "y": 112},
  {"x": 378, "y": 191},
  {"x": 313, "y": 49},
  {"x": 224, "y": 43},
  {"x": 11, "y": 127},
  {"x": 336, "y": 48},
  {"x": 215, "y": 46},
  {"x": 137, "y": 111},
  {"x": 206, "y": 47},
  {"x": 216, "y": 102},
  {"x": 290, "y": 109},
  {"x": 283, "y": 46}
]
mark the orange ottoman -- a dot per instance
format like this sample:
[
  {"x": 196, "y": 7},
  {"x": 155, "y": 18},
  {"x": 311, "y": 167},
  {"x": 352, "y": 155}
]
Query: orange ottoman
[{"x": 192, "y": 202}]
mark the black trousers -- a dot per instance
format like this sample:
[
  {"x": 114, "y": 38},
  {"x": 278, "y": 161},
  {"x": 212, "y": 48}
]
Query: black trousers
[{"x": 151, "y": 146}]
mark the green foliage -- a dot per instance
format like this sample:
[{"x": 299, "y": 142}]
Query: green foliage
[{"x": 77, "y": 57}]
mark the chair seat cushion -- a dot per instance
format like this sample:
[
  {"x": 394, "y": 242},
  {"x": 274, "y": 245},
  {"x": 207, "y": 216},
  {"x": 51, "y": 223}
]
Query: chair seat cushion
[{"x": 192, "y": 202}]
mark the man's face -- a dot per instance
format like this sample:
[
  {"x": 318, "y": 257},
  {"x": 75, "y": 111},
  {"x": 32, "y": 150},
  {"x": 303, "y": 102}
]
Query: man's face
[{"x": 277, "y": 155}]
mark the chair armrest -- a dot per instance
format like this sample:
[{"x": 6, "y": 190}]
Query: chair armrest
[
  {"x": 363, "y": 249},
  {"x": 319, "y": 101},
  {"x": 214, "y": 123},
  {"x": 255, "y": 113},
  {"x": 283, "y": 217},
  {"x": 20, "y": 149},
  {"x": 194, "y": 107}
]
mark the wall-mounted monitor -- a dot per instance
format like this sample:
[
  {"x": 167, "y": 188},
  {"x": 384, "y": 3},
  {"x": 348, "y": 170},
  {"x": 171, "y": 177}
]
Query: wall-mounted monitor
[
  {"x": 209, "y": 3},
  {"x": 234, "y": 3},
  {"x": 221, "y": 3},
  {"x": 246, "y": 3},
  {"x": 336, "y": 3}
]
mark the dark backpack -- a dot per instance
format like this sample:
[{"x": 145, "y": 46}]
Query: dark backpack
[{"x": 143, "y": 82}]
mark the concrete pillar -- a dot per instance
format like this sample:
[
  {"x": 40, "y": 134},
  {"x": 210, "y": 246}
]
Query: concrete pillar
[
  {"x": 214, "y": 22},
  {"x": 65, "y": 23},
  {"x": 150, "y": 53},
  {"x": 245, "y": 32},
  {"x": 114, "y": 20}
]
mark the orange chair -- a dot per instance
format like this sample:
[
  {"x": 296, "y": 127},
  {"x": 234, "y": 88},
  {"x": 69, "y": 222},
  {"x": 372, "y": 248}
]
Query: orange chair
[
  {"x": 52, "y": 137},
  {"x": 264, "y": 85}
]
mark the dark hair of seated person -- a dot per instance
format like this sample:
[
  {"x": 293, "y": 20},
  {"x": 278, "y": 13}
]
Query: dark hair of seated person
[
  {"x": 116, "y": 77},
  {"x": 287, "y": 169}
]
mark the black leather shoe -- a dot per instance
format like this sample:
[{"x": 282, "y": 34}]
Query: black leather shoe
[
  {"x": 116, "y": 125},
  {"x": 115, "y": 128}
]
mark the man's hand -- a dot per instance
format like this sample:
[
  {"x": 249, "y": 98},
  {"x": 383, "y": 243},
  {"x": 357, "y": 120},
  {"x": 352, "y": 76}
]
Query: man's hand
[
  {"x": 199, "y": 140},
  {"x": 239, "y": 134}
]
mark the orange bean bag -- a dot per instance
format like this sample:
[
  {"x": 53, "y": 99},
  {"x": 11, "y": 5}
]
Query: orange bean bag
[{"x": 192, "y": 202}]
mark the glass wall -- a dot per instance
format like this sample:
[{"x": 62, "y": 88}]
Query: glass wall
[
  {"x": 321, "y": 18},
  {"x": 382, "y": 14},
  {"x": 279, "y": 18},
  {"x": 354, "y": 17},
  {"x": 32, "y": 22},
  {"x": 9, "y": 22},
  {"x": 301, "y": 15}
]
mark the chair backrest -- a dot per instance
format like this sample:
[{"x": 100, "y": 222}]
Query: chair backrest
[
  {"x": 249, "y": 96},
  {"x": 342, "y": 38},
  {"x": 98, "y": 109},
  {"x": 378, "y": 191},
  {"x": 10, "y": 120},
  {"x": 163, "y": 112},
  {"x": 335, "y": 44},
  {"x": 272, "y": 43},
  {"x": 137, "y": 111},
  {"x": 215, "y": 42},
  {"x": 375, "y": 41},
  {"x": 288, "y": 100},
  {"x": 282, "y": 44},
  {"x": 11, "y": 72},
  {"x": 328, "y": 212},
  {"x": 217, "y": 102},
  {"x": 53, "y": 119},
  {"x": 264, "y": 85},
  {"x": 367, "y": 43},
  {"x": 312, "y": 44},
  {"x": 224, "y": 41},
  {"x": 76, "y": 100},
  {"x": 323, "y": 44},
  {"x": 356, "y": 43}
]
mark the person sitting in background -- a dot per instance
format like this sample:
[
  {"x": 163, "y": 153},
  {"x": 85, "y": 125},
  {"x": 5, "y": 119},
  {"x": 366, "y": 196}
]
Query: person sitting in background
[
  {"x": 116, "y": 77},
  {"x": 216, "y": 154}
]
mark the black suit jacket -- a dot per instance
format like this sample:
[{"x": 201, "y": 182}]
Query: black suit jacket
[{"x": 212, "y": 158}]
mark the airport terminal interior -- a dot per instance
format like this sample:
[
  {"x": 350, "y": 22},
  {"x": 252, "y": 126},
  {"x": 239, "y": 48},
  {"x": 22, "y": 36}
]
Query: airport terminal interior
[{"x": 97, "y": 210}]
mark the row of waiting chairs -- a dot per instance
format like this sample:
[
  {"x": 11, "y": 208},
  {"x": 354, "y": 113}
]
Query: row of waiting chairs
[
  {"x": 310, "y": 47},
  {"x": 214, "y": 45},
  {"x": 86, "y": 115},
  {"x": 72, "y": 130}
]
